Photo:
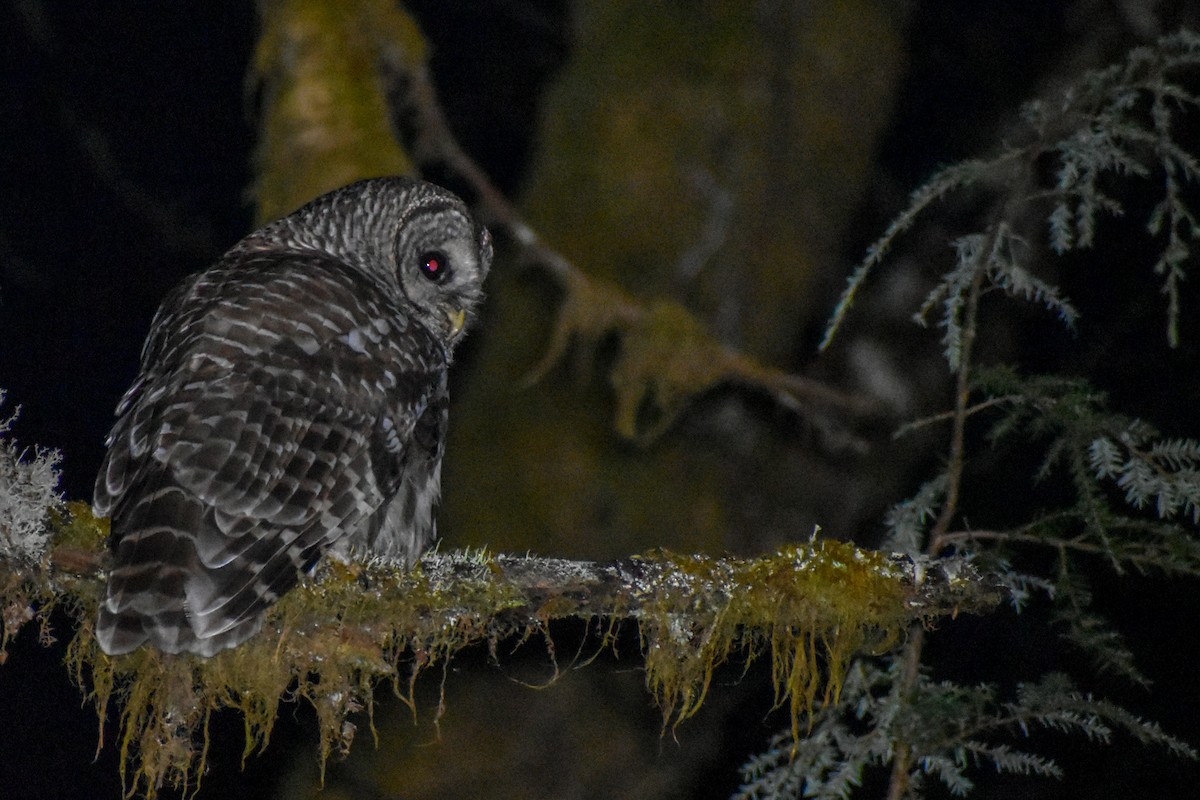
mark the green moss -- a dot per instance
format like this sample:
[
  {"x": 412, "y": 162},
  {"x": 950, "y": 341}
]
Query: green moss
[
  {"x": 28, "y": 592},
  {"x": 382, "y": 613},
  {"x": 666, "y": 359},
  {"x": 811, "y": 607},
  {"x": 325, "y": 118},
  {"x": 79, "y": 527},
  {"x": 332, "y": 640}
]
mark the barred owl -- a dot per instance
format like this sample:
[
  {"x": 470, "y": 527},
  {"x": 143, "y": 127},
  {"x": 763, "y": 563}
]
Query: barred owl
[{"x": 292, "y": 400}]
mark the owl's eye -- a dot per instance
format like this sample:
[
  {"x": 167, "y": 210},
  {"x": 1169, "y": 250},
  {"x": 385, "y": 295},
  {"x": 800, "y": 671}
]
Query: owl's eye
[{"x": 434, "y": 265}]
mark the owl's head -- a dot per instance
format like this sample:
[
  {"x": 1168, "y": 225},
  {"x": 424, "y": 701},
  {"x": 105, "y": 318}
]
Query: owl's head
[{"x": 416, "y": 239}]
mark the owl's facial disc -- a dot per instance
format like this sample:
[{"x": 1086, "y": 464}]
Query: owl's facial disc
[{"x": 441, "y": 259}]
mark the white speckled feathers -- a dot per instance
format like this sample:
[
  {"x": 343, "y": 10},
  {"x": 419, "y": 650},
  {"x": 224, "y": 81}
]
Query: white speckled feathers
[{"x": 292, "y": 399}]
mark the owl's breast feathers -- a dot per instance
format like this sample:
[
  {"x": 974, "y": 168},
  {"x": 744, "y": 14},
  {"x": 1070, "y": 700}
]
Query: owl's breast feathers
[{"x": 285, "y": 403}]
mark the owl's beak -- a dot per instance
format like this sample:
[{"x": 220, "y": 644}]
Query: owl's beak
[{"x": 458, "y": 318}]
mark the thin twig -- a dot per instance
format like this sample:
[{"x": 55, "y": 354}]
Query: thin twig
[
  {"x": 947, "y": 416},
  {"x": 911, "y": 660}
]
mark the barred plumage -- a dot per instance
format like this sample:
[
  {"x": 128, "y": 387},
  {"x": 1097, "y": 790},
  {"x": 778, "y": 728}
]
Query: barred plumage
[{"x": 292, "y": 399}]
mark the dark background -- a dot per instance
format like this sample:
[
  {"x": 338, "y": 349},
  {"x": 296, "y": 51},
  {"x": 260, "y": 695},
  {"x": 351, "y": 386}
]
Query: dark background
[{"x": 126, "y": 142}]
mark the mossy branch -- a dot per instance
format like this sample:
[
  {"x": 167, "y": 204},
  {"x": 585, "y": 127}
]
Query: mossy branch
[{"x": 809, "y": 608}]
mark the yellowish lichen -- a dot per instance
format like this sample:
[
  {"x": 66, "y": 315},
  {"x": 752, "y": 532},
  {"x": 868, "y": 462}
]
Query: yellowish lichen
[
  {"x": 328, "y": 642},
  {"x": 331, "y": 641},
  {"x": 665, "y": 358},
  {"x": 79, "y": 527},
  {"x": 811, "y": 607}
]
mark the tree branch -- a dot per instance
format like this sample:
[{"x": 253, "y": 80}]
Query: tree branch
[
  {"x": 533, "y": 590},
  {"x": 810, "y": 608},
  {"x": 593, "y": 308}
]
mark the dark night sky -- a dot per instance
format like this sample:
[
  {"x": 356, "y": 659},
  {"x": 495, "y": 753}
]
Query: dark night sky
[
  {"x": 126, "y": 141},
  {"x": 121, "y": 130}
]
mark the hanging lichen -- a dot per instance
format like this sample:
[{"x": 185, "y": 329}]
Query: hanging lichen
[
  {"x": 335, "y": 638},
  {"x": 328, "y": 642},
  {"x": 811, "y": 607},
  {"x": 665, "y": 357}
]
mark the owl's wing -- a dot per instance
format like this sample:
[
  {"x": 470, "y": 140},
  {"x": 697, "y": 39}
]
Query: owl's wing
[
  {"x": 275, "y": 411},
  {"x": 409, "y": 524}
]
